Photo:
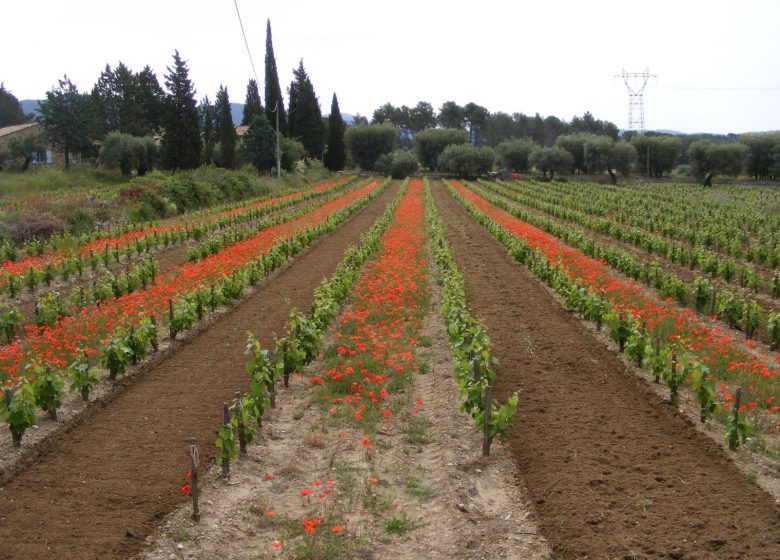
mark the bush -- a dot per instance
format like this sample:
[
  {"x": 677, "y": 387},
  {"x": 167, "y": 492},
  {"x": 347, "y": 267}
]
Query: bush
[
  {"x": 466, "y": 161},
  {"x": 399, "y": 164},
  {"x": 430, "y": 143},
  {"x": 292, "y": 152},
  {"x": 81, "y": 220}
]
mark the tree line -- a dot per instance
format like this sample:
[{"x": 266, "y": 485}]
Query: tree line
[{"x": 130, "y": 121}]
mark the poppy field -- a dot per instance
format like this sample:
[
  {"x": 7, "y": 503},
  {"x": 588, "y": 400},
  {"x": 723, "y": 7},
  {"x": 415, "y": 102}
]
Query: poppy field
[{"x": 365, "y": 360}]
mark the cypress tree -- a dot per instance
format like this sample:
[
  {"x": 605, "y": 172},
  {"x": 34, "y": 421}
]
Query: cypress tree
[
  {"x": 180, "y": 145},
  {"x": 259, "y": 145},
  {"x": 226, "y": 130},
  {"x": 208, "y": 125},
  {"x": 252, "y": 105},
  {"x": 273, "y": 92},
  {"x": 305, "y": 120},
  {"x": 336, "y": 156}
]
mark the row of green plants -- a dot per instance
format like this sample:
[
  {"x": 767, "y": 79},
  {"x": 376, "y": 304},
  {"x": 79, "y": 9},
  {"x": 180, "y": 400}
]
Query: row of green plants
[
  {"x": 300, "y": 345},
  {"x": 130, "y": 344},
  {"x": 73, "y": 261},
  {"x": 473, "y": 359},
  {"x": 215, "y": 243},
  {"x": 669, "y": 360},
  {"x": 52, "y": 307},
  {"x": 708, "y": 262},
  {"x": 737, "y": 221},
  {"x": 701, "y": 294}
]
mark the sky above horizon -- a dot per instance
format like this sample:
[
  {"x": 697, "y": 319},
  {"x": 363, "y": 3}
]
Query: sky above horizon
[{"x": 716, "y": 61}]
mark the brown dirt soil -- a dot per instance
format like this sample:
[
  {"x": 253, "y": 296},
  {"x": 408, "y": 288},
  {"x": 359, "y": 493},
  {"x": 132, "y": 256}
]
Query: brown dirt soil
[
  {"x": 470, "y": 509},
  {"x": 100, "y": 489},
  {"x": 612, "y": 471}
]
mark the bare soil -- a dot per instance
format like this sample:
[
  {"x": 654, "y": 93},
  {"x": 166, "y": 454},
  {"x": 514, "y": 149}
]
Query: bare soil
[
  {"x": 612, "y": 471},
  {"x": 97, "y": 491},
  {"x": 459, "y": 506}
]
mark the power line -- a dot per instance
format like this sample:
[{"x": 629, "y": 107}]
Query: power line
[
  {"x": 246, "y": 43},
  {"x": 759, "y": 88}
]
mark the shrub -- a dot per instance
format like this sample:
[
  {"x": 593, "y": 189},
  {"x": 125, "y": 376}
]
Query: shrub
[
  {"x": 430, "y": 143},
  {"x": 367, "y": 143},
  {"x": 399, "y": 164},
  {"x": 81, "y": 220},
  {"x": 466, "y": 161}
]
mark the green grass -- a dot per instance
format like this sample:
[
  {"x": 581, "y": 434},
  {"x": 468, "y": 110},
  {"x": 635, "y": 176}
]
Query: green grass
[
  {"x": 399, "y": 525},
  {"x": 416, "y": 486},
  {"x": 417, "y": 430}
]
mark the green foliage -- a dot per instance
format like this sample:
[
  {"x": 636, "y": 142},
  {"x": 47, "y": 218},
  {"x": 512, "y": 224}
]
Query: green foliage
[
  {"x": 336, "y": 154},
  {"x": 180, "y": 146},
  {"x": 83, "y": 378},
  {"x": 367, "y": 143},
  {"x": 550, "y": 160},
  {"x": 398, "y": 164},
  {"x": 47, "y": 386},
  {"x": 761, "y": 158},
  {"x": 292, "y": 153},
  {"x": 226, "y": 131},
  {"x": 11, "y": 321},
  {"x": 305, "y": 118},
  {"x": 128, "y": 152},
  {"x": 431, "y": 142},
  {"x": 20, "y": 413},
  {"x": 258, "y": 146},
  {"x": 703, "y": 386},
  {"x": 664, "y": 152},
  {"x": 26, "y": 147},
  {"x": 69, "y": 119},
  {"x": 115, "y": 355},
  {"x": 575, "y": 145},
  {"x": 273, "y": 91},
  {"x": 737, "y": 429},
  {"x": 10, "y": 109},
  {"x": 513, "y": 154},
  {"x": 709, "y": 159},
  {"x": 253, "y": 107},
  {"x": 466, "y": 161}
]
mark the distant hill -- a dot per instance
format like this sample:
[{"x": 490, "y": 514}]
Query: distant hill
[{"x": 30, "y": 106}]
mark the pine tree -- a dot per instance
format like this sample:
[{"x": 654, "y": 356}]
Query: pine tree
[
  {"x": 226, "y": 130},
  {"x": 305, "y": 121},
  {"x": 336, "y": 156},
  {"x": 10, "y": 109},
  {"x": 253, "y": 107},
  {"x": 180, "y": 144},
  {"x": 273, "y": 92},
  {"x": 208, "y": 126},
  {"x": 153, "y": 97},
  {"x": 259, "y": 145},
  {"x": 68, "y": 118}
]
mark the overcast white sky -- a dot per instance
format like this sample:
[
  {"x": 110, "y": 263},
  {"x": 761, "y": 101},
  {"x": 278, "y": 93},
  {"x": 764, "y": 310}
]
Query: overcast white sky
[{"x": 717, "y": 61}]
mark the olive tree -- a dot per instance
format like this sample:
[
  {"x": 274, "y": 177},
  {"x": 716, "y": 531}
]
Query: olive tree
[
  {"x": 430, "y": 143},
  {"x": 367, "y": 143},
  {"x": 466, "y": 161},
  {"x": 709, "y": 159},
  {"x": 550, "y": 160},
  {"x": 513, "y": 154}
]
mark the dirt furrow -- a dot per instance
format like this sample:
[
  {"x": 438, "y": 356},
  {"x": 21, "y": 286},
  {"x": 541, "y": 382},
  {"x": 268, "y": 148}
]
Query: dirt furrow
[
  {"x": 612, "y": 471},
  {"x": 99, "y": 491}
]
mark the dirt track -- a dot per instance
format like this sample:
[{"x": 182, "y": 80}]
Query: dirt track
[
  {"x": 612, "y": 471},
  {"x": 98, "y": 492}
]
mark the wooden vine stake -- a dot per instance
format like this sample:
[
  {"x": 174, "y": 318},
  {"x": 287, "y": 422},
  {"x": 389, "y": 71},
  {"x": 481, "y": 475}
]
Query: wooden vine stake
[
  {"x": 476, "y": 370},
  {"x": 9, "y": 395},
  {"x": 170, "y": 320},
  {"x": 673, "y": 388},
  {"x": 486, "y": 440},
  {"x": 737, "y": 397},
  {"x": 657, "y": 349},
  {"x": 286, "y": 362},
  {"x": 240, "y": 418},
  {"x": 226, "y": 423},
  {"x": 194, "y": 460}
]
